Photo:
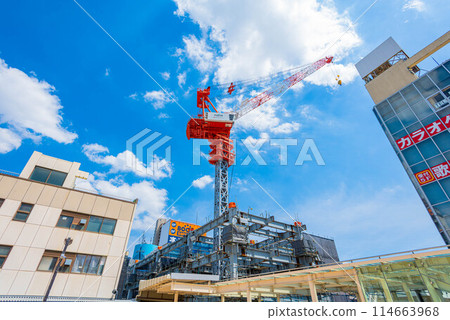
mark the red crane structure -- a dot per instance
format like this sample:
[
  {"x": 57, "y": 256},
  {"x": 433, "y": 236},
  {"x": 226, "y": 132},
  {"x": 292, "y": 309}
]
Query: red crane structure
[{"x": 216, "y": 128}]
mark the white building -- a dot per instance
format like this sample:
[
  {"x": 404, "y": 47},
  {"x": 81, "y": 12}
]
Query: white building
[{"x": 38, "y": 211}]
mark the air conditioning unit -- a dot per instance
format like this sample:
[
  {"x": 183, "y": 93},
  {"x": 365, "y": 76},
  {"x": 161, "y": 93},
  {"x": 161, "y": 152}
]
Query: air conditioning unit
[{"x": 83, "y": 221}]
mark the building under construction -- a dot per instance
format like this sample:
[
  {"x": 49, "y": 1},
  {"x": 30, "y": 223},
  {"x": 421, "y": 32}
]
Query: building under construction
[{"x": 251, "y": 244}]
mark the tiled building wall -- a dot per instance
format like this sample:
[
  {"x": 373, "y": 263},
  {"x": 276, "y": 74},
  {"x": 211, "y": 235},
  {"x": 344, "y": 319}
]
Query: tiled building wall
[{"x": 30, "y": 239}]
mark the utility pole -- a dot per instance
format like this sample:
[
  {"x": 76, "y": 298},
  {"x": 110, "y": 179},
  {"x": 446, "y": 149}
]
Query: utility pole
[{"x": 62, "y": 258}]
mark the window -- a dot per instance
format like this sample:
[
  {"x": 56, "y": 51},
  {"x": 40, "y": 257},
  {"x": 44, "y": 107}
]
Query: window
[
  {"x": 1, "y": 202},
  {"x": 4, "y": 251},
  {"x": 425, "y": 86},
  {"x": 412, "y": 156},
  {"x": 77, "y": 221},
  {"x": 94, "y": 224},
  {"x": 428, "y": 149},
  {"x": 108, "y": 226},
  {"x": 50, "y": 259},
  {"x": 101, "y": 225},
  {"x": 72, "y": 220},
  {"x": 48, "y": 176},
  {"x": 23, "y": 212},
  {"x": 434, "y": 193},
  {"x": 89, "y": 264},
  {"x": 385, "y": 110},
  {"x": 440, "y": 76}
]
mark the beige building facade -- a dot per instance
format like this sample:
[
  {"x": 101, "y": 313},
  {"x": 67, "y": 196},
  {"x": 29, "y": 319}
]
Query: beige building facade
[{"x": 39, "y": 209}]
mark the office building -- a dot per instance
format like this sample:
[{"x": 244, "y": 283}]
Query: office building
[
  {"x": 413, "y": 108},
  {"x": 39, "y": 209}
]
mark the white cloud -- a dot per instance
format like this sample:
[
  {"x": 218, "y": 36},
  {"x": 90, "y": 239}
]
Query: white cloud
[
  {"x": 127, "y": 162},
  {"x": 286, "y": 128},
  {"x": 265, "y": 36},
  {"x": 417, "y": 5},
  {"x": 152, "y": 201},
  {"x": 9, "y": 140},
  {"x": 181, "y": 79},
  {"x": 157, "y": 98},
  {"x": 165, "y": 75},
  {"x": 163, "y": 115},
  {"x": 202, "y": 182},
  {"x": 133, "y": 96},
  {"x": 30, "y": 109},
  {"x": 265, "y": 118},
  {"x": 199, "y": 53}
]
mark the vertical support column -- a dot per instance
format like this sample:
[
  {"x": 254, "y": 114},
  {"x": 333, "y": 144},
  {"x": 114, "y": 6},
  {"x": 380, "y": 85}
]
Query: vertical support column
[
  {"x": 313, "y": 290},
  {"x": 222, "y": 298},
  {"x": 259, "y": 297},
  {"x": 249, "y": 296},
  {"x": 175, "y": 297},
  {"x": 361, "y": 295},
  {"x": 278, "y": 297},
  {"x": 387, "y": 293},
  {"x": 220, "y": 207},
  {"x": 434, "y": 293},
  {"x": 408, "y": 292}
]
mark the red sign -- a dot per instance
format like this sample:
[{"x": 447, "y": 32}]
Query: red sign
[
  {"x": 419, "y": 135},
  {"x": 446, "y": 120},
  {"x": 441, "y": 170},
  {"x": 404, "y": 142},
  {"x": 430, "y": 130},
  {"x": 435, "y": 127},
  {"x": 425, "y": 176}
]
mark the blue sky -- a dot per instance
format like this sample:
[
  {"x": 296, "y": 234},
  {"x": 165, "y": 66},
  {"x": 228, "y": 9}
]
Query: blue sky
[{"x": 69, "y": 91}]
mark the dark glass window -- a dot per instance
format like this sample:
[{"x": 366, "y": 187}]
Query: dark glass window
[
  {"x": 94, "y": 224},
  {"x": 447, "y": 155},
  {"x": 429, "y": 119},
  {"x": 399, "y": 135},
  {"x": 440, "y": 76},
  {"x": 93, "y": 265},
  {"x": 385, "y": 110},
  {"x": 411, "y": 95},
  {"x": 4, "y": 252},
  {"x": 73, "y": 220},
  {"x": 407, "y": 117},
  {"x": 419, "y": 167},
  {"x": 435, "y": 161},
  {"x": 434, "y": 193},
  {"x": 445, "y": 183},
  {"x": 1, "y": 202},
  {"x": 108, "y": 226},
  {"x": 57, "y": 178},
  {"x": 438, "y": 101},
  {"x": 23, "y": 212},
  {"x": 425, "y": 86},
  {"x": 412, "y": 156},
  {"x": 443, "y": 141},
  {"x": 64, "y": 222},
  {"x": 48, "y": 176},
  {"x": 397, "y": 102},
  {"x": 394, "y": 125},
  {"x": 40, "y": 174},
  {"x": 414, "y": 127},
  {"x": 427, "y": 148},
  {"x": 421, "y": 109}
]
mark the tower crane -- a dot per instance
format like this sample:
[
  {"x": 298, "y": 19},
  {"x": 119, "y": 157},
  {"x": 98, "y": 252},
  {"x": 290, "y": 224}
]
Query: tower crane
[{"x": 216, "y": 128}]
